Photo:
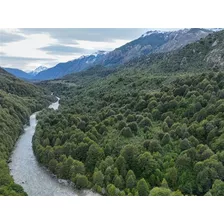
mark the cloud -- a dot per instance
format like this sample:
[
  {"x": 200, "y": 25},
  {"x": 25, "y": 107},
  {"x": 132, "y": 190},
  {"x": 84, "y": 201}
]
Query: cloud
[
  {"x": 6, "y": 37},
  {"x": 70, "y": 35},
  {"x": 63, "y": 50},
  {"x": 22, "y": 62}
]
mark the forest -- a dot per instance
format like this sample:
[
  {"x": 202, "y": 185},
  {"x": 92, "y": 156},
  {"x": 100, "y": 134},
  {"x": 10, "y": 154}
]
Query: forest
[
  {"x": 137, "y": 134},
  {"x": 151, "y": 127},
  {"x": 18, "y": 100}
]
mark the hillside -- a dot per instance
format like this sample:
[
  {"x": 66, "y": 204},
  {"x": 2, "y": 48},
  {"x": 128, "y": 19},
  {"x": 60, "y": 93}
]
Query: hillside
[
  {"x": 138, "y": 134},
  {"x": 17, "y": 101},
  {"x": 19, "y": 73},
  {"x": 205, "y": 54},
  {"x": 154, "y": 41}
]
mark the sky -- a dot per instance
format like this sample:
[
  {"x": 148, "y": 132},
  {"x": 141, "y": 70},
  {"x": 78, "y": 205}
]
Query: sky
[{"x": 28, "y": 49}]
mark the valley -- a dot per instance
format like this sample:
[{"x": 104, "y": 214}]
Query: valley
[{"x": 146, "y": 119}]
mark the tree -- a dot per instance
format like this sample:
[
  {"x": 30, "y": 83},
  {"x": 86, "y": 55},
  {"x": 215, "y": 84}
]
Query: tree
[
  {"x": 121, "y": 165},
  {"x": 57, "y": 141},
  {"x": 77, "y": 168},
  {"x": 204, "y": 179},
  {"x": 183, "y": 161},
  {"x": 94, "y": 154},
  {"x": 66, "y": 168},
  {"x": 131, "y": 181},
  {"x": 217, "y": 188},
  {"x": 145, "y": 122},
  {"x": 121, "y": 125},
  {"x": 164, "y": 183},
  {"x": 80, "y": 152},
  {"x": 130, "y": 173},
  {"x": 52, "y": 165},
  {"x": 141, "y": 105},
  {"x": 126, "y": 132},
  {"x": 154, "y": 146},
  {"x": 98, "y": 178},
  {"x": 146, "y": 165},
  {"x": 119, "y": 182},
  {"x": 146, "y": 144},
  {"x": 82, "y": 125},
  {"x": 185, "y": 144},
  {"x": 46, "y": 142},
  {"x": 112, "y": 190},
  {"x": 165, "y": 139},
  {"x": 130, "y": 118},
  {"x": 160, "y": 191},
  {"x": 133, "y": 126},
  {"x": 172, "y": 176},
  {"x": 129, "y": 153},
  {"x": 142, "y": 187},
  {"x": 81, "y": 181}
]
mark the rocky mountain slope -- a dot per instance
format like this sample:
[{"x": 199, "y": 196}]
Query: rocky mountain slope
[{"x": 205, "y": 54}]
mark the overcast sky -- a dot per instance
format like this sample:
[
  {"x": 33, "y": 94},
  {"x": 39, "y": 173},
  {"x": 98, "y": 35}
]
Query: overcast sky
[{"x": 27, "y": 49}]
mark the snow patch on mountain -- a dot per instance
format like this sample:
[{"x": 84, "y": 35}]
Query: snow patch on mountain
[
  {"x": 38, "y": 70},
  {"x": 99, "y": 53},
  {"x": 148, "y": 33}
]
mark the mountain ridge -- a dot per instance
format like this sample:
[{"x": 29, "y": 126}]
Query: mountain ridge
[{"x": 143, "y": 45}]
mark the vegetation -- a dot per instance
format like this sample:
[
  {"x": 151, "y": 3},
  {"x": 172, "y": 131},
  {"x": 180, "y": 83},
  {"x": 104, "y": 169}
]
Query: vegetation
[
  {"x": 17, "y": 101},
  {"x": 154, "y": 126},
  {"x": 138, "y": 134}
]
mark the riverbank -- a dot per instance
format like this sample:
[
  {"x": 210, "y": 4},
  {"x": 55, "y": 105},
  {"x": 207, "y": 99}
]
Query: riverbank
[{"x": 27, "y": 172}]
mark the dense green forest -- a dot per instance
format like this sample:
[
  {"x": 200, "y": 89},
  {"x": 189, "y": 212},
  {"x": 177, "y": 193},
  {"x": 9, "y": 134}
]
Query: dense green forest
[
  {"x": 17, "y": 101},
  {"x": 154, "y": 126},
  {"x": 138, "y": 134}
]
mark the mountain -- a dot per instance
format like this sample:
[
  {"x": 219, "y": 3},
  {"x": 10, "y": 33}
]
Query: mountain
[
  {"x": 37, "y": 70},
  {"x": 18, "y": 73},
  {"x": 76, "y": 65},
  {"x": 205, "y": 54},
  {"x": 148, "y": 43},
  {"x": 154, "y": 41}
]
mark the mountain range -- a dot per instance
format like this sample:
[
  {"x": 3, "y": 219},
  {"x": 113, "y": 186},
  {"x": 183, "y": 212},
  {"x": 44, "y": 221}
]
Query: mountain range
[
  {"x": 25, "y": 75},
  {"x": 204, "y": 55},
  {"x": 149, "y": 43}
]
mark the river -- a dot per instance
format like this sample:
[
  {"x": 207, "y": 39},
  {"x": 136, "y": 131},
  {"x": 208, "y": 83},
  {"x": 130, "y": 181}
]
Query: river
[{"x": 33, "y": 177}]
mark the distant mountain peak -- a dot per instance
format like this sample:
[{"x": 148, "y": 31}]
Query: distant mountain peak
[
  {"x": 97, "y": 53},
  {"x": 38, "y": 70},
  {"x": 150, "y": 32}
]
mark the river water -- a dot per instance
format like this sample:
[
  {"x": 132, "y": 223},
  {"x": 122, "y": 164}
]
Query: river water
[{"x": 34, "y": 178}]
